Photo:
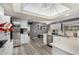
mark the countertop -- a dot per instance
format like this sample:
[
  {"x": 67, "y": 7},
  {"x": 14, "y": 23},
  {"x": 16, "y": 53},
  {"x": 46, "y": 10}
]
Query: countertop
[
  {"x": 7, "y": 48},
  {"x": 69, "y": 45},
  {"x": 2, "y": 42}
]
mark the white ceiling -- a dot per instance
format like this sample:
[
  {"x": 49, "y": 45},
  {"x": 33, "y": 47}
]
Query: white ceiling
[
  {"x": 73, "y": 6},
  {"x": 42, "y": 12}
]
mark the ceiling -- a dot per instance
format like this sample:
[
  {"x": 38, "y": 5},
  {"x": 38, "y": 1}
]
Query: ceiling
[
  {"x": 45, "y": 9},
  {"x": 42, "y": 12}
]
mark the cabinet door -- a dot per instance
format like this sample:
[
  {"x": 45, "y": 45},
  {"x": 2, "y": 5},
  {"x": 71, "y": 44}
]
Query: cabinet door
[
  {"x": 8, "y": 48},
  {"x": 25, "y": 38},
  {"x": 55, "y": 38},
  {"x": 49, "y": 39},
  {"x": 57, "y": 51},
  {"x": 45, "y": 39}
]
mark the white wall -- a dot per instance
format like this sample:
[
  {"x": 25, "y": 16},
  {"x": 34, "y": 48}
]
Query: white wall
[
  {"x": 71, "y": 23},
  {"x": 38, "y": 28},
  {"x": 54, "y": 26},
  {"x": 1, "y": 10},
  {"x": 23, "y": 24}
]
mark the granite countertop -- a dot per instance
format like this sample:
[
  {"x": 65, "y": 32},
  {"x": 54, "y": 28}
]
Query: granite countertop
[{"x": 69, "y": 45}]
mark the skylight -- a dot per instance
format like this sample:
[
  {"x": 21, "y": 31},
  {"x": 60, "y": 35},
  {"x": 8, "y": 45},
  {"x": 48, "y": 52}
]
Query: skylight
[{"x": 46, "y": 9}]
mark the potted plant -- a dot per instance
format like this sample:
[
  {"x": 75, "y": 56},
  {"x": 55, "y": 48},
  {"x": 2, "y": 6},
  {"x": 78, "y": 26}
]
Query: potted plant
[{"x": 5, "y": 28}]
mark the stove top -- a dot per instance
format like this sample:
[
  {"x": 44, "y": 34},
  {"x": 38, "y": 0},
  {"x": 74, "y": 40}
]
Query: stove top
[{"x": 2, "y": 42}]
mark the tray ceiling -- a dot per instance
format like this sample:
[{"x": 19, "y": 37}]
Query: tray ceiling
[{"x": 41, "y": 9}]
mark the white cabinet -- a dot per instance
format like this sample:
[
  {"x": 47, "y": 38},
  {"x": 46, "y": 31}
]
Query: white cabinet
[
  {"x": 57, "y": 51},
  {"x": 58, "y": 38},
  {"x": 7, "y": 49},
  {"x": 25, "y": 38},
  {"x": 47, "y": 39},
  {"x": 44, "y": 39}
]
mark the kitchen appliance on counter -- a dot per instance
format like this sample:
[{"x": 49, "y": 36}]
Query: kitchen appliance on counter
[
  {"x": 55, "y": 32},
  {"x": 23, "y": 30},
  {"x": 49, "y": 40}
]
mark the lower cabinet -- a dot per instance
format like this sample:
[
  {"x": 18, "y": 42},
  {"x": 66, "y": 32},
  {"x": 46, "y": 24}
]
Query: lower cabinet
[
  {"x": 25, "y": 38},
  {"x": 7, "y": 49},
  {"x": 57, "y": 51},
  {"x": 47, "y": 39}
]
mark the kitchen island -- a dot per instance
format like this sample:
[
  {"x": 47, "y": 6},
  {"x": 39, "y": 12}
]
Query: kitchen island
[
  {"x": 7, "y": 47},
  {"x": 65, "y": 45}
]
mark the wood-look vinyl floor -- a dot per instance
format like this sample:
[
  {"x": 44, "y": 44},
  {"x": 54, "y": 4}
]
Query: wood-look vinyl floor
[{"x": 35, "y": 47}]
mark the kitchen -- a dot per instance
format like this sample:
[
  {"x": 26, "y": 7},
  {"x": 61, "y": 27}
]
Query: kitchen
[
  {"x": 65, "y": 38},
  {"x": 6, "y": 44},
  {"x": 39, "y": 35}
]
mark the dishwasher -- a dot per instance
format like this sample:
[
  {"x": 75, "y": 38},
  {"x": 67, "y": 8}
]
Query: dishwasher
[{"x": 49, "y": 40}]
